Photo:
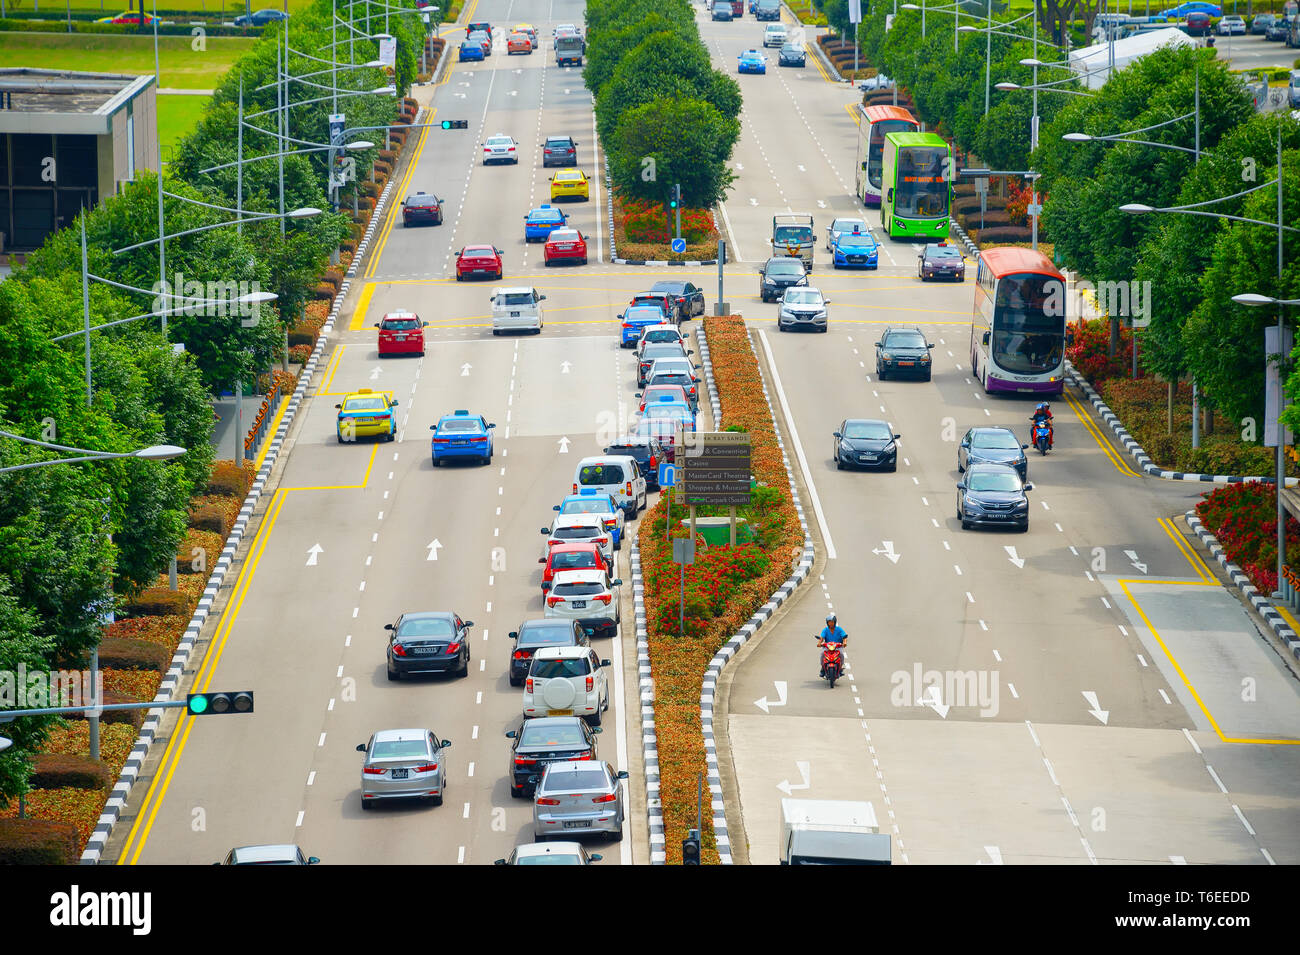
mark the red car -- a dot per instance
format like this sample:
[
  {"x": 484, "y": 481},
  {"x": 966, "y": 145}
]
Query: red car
[
  {"x": 579, "y": 556},
  {"x": 566, "y": 244},
  {"x": 481, "y": 260},
  {"x": 401, "y": 333}
]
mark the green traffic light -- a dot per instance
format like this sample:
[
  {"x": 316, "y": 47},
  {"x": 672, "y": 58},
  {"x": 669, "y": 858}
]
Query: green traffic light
[
  {"x": 446, "y": 124},
  {"x": 198, "y": 704}
]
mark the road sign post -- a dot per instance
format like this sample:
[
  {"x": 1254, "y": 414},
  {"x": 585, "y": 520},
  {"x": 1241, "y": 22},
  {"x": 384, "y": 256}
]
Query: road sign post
[
  {"x": 667, "y": 478},
  {"x": 714, "y": 469},
  {"x": 684, "y": 553},
  {"x": 720, "y": 307}
]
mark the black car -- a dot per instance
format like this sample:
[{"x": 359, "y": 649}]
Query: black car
[
  {"x": 421, "y": 207},
  {"x": 903, "y": 350},
  {"x": 559, "y": 151},
  {"x": 792, "y": 54},
  {"x": 993, "y": 495},
  {"x": 992, "y": 446},
  {"x": 768, "y": 10},
  {"x": 779, "y": 274},
  {"x": 647, "y": 452},
  {"x": 721, "y": 10},
  {"x": 260, "y": 18},
  {"x": 865, "y": 443},
  {"x": 483, "y": 27},
  {"x": 689, "y": 296},
  {"x": 658, "y": 350},
  {"x": 1261, "y": 23},
  {"x": 1279, "y": 29},
  {"x": 546, "y": 739},
  {"x": 939, "y": 260},
  {"x": 428, "y": 643},
  {"x": 667, "y": 302},
  {"x": 533, "y": 635}
]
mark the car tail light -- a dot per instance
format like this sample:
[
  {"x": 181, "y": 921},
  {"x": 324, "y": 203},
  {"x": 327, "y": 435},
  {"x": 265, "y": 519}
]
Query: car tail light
[
  {"x": 528, "y": 685},
  {"x": 690, "y": 391},
  {"x": 399, "y": 650},
  {"x": 575, "y": 489},
  {"x": 548, "y": 802},
  {"x": 511, "y": 149},
  {"x": 626, "y": 326},
  {"x": 608, "y": 797},
  {"x": 523, "y": 654},
  {"x": 552, "y": 601},
  {"x": 520, "y": 761},
  {"x": 442, "y": 440},
  {"x": 453, "y": 647},
  {"x": 426, "y": 768},
  {"x": 547, "y": 151},
  {"x": 481, "y": 438},
  {"x": 610, "y": 522},
  {"x": 374, "y": 770},
  {"x": 603, "y": 598},
  {"x": 628, "y": 489},
  {"x": 581, "y": 756},
  {"x": 601, "y": 540},
  {"x": 591, "y": 683}
]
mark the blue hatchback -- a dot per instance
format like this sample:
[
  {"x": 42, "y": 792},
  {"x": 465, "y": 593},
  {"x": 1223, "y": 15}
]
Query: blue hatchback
[
  {"x": 461, "y": 435},
  {"x": 752, "y": 61},
  {"x": 471, "y": 51},
  {"x": 542, "y": 221},
  {"x": 636, "y": 318},
  {"x": 855, "y": 250}
]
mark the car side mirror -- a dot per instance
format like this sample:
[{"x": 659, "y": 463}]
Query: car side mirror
[
  {"x": 826, "y": 301},
  {"x": 836, "y": 434},
  {"x": 595, "y": 856},
  {"x": 1029, "y": 487},
  {"x": 500, "y": 862},
  {"x": 697, "y": 367},
  {"x": 621, "y": 774},
  {"x": 605, "y": 663},
  {"x": 961, "y": 485},
  {"x": 361, "y": 747},
  {"x": 555, "y": 507},
  {"x": 510, "y": 734},
  {"x": 897, "y": 437},
  {"x": 966, "y": 443},
  {"x": 540, "y": 297},
  {"x": 433, "y": 427},
  {"x": 313, "y": 860},
  {"x": 376, "y": 324},
  {"x": 424, "y": 324},
  {"x": 444, "y": 744},
  {"x": 637, "y": 395},
  {"x": 468, "y": 624},
  {"x": 931, "y": 345},
  {"x": 595, "y": 729},
  {"x": 338, "y": 406},
  {"x": 617, "y": 582},
  {"x": 388, "y": 626},
  {"x": 541, "y": 560},
  {"x": 1024, "y": 447},
  {"x": 492, "y": 425},
  {"x": 546, "y": 530},
  {"x": 985, "y": 339}
]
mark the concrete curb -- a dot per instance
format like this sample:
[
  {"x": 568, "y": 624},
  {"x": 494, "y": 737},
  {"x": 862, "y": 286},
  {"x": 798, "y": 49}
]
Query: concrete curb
[
  {"x": 729, "y": 649},
  {"x": 1140, "y": 456},
  {"x": 1263, "y": 606},
  {"x": 176, "y": 671},
  {"x": 971, "y": 247}
]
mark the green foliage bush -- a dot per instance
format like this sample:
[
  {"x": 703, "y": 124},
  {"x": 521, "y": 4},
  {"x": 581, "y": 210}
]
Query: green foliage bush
[
  {"x": 126, "y": 654},
  {"x": 64, "y": 771},
  {"x": 38, "y": 841}
]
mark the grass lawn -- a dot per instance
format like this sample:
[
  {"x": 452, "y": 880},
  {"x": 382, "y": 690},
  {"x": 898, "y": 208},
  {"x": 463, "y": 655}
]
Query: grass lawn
[
  {"x": 181, "y": 66},
  {"x": 177, "y": 116}
]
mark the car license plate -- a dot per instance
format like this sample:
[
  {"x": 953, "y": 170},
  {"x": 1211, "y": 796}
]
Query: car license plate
[
  {"x": 577, "y": 824},
  {"x": 906, "y": 364},
  {"x": 559, "y": 712},
  {"x": 401, "y": 773},
  {"x": 423, "y": 650},
  {"x": 578, "y": 604},
  {"x": 480, "y": 270},
  {"x": 514, "y": 314},
  {"x": 997, "y": 517},
  {"x": 866, "y": 457},
  {"x": 399, "y": 338}
]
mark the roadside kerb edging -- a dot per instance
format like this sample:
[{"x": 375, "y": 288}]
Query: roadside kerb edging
[
  {"x": 1140, "y": 456},
  {"x": 1263, "y": 606},
  {"x": 961, "y": 233},
  {"x": 172, "y": 679}
]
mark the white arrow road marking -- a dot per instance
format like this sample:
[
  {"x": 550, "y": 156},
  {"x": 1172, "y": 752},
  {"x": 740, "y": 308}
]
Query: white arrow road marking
[
  {"x": 764, "y": 703},
  {"x": 821, "y": 204},
  {"x": 564, "y": 445},
  {"x": 514, "y": 92},
  {"x": 1011, "y": 553},
  {"x": 1096, "y": 710},
  {"x": 888, "y": 551},
  {"x": 740, "y": 167},
  {"x": 802, "y": 169},
  {"x": 805, "y": 770},
  {"x": 1132, "y": 556},
  {"x": 934, "y": 702},
  {"x": 312, "y": 554},
  {"x": 464, "y": 369},
  {"x": 433, "y": 546},
  {"x": 564, "y": 367},
  {"x": 462, "y": 95},
  {"x": 994, "y": 853},
  {"x": 753, "y": 202},
  {"x": 375, "y": 373}
]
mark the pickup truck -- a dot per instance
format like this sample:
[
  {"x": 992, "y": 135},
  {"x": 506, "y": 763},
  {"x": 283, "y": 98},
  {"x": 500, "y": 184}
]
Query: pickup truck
[
  {"x": 831, "y": 832},
  {"x": 792, "y": 235}
]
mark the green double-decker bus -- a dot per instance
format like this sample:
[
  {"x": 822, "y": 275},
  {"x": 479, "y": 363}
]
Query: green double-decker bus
[{"x": 916, "y": 186}]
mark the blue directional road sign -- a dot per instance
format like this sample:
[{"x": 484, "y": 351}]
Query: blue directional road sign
[
  {"x": 679, "y": 245},
  {"x": 667, "y": 474}
]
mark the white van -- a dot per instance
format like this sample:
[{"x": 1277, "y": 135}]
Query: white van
[{"x": 616, "y": 475}]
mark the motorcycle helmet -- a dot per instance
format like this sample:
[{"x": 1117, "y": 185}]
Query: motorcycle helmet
[{"x": 830, "y": 619}]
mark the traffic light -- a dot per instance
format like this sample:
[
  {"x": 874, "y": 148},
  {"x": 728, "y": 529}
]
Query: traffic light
[
  {"x": 691, "y": 848},
  {"x": 205, "y": 704},
  {"x": 675, "y": 198},
  {"x": 455, "y": 124}
]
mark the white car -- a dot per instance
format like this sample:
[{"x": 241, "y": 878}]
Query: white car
[
  {"x": 587, "y": 596},
  {"x": 1232, "y": 26},
  {"x": 594, "y": 503},
  {"x": 516, "y": 309},
  {"x": 269, "y": 855},
  {"x": 567, "y": 681},
  {"x": 878, "y": 82},
  {"x": 802, "y": 307},
  {"x": 775, "y": 35},
  {"x": 655, "y": 334},
  {"x": 550, "y": 853},
  {"x": 618, "y": 476},
  {"x": 839, "y": 227},
  {"x": 580, "y": 529},
  {"x": 500, "y": 148}
]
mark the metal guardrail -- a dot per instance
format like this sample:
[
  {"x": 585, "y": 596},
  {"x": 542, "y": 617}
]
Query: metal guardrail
[{"x": 261, "y": 425}]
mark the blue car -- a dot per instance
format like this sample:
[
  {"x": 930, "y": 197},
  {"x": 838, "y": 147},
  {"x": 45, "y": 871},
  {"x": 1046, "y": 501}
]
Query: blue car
[
  {"x": 752, "y": 61},
  {"x": 542, "y": 221},
  {"x": 471, "y": 51},
  {"x": 636, "y": 318},
  {"x": 461, "y": 435},
  {"x": 591, "y": 500},
  {"x": 855, "y": 250}
]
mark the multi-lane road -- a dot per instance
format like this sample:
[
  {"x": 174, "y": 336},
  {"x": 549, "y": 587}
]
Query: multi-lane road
[{"x": 1193, "y": 761}]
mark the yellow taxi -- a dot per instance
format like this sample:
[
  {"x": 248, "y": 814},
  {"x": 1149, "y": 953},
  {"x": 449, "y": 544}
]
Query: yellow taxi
[
  {"x": 570, "y": 184},
  {"x": 367, "y": 414},
  {"x": 529, "y": 29}
]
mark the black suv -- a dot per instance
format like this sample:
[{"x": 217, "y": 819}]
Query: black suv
[
  {"x": 647, "y": 452},
  {"x": 768, "y": 10},
  {"x": 690, "y": 298},
  {"x": 903, "y": 350},
  {"x": 422, "y": 207},
  {"x": 778, "y": 274},
  {"x": 559, "y": 151},
  {"x": 533, "y": 635}
]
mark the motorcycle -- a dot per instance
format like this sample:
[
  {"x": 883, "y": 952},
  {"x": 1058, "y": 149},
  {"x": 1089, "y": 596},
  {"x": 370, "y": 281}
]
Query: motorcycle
[
  {"x": 832, "y": 661},
  {"x": 1042, "y": 435}
]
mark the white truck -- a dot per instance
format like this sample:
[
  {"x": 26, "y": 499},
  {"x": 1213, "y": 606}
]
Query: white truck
[
  {"x": 831, "y": 832},
  {"x": 792, "y": 235}
]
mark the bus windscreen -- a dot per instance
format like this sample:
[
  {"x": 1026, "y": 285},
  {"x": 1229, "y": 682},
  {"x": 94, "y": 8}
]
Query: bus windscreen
[
  {"x": 1028, "y": 323},
  {"x": 921, "y": 191}
]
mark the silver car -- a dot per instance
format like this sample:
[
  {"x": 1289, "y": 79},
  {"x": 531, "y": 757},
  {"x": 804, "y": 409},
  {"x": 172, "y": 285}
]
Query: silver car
[
  {"x": 551, "y": 853},
  {"x": 1232, "y": 26},
  {"x": 403, "y": 764},
  {"x": 802, "y": 308},
  {"x": 268, "y": 855},
  {"x": 839, "y": 227},
  {"x": 775, "y": 35},
  {"x": 579, "y": 797}
]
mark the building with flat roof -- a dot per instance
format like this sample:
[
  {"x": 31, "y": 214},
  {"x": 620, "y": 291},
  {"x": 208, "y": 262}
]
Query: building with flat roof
[{"x": 67, "y": 139}]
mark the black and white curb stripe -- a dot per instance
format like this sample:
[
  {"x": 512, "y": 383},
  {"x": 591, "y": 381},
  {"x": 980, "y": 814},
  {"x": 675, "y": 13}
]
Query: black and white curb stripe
[
  {"x": 172, "y": 680},
  {"x": 1263, "y": 606},
  {"x": 706, "y": 362},
  {"x": 1140, "y": 456},
  {"x": 971, "y": 247},
  {"x": 732, "y": 646},
  {"x": 613, "y": 249}
]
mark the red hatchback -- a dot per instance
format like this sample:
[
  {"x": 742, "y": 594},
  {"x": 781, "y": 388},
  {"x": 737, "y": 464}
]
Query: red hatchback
[
  {"x": 566, "y": 245},
  {"x": 401, "y": 333},
  {"x": 483, "y": 260}
]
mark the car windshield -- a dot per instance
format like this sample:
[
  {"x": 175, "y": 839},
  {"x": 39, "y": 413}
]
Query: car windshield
[
  {"x": 673, "y": 288},
  {"x": 552, "y": 858},
  {"x": 400, "y": 324},
  {"x": 540, "y": 636},
  {"x": 515, "y": 298},
  {"x": 586, "y": 505},
  {"x": 459, "y": 426},
  {"x": 573, "y": 561},
  {"x": 425, "y": 627},
  {"x": 904, "y": 340},
  {"x": 421, "y": 201},
  {"x": 375, "y": 403},
  {"x": 993, "y": 482},
  {"x": 578, "y": 589},
  {"x": 644, "y": 313},
  {"x": 499, "y": 141},
  {"x": 568, "y": 176},
  {"x": 662, "y": 429},
  {"x": 554, "y": 141},
  {"x": 792, "y": 233},
  {"x": 867, "y": 430},
  {"x": 399, "y": 748},
  {"x": 564, "y": 235},
  {"x": 785, "y": 267},
  {"x": 562, "y": 735},
  {"x": 803, "y": 296},
  {"x": 856, "y": 238},
  {"x": 558, "y": 669},
  {"x": 546, "y": 215},
  {"x": 668, "y": 410},
  {"x": 577, "y": 780},
  {"x": 663, "y": 335},
  {"x": 577, "y": 532},
  {"x": 661, "y": 350},
  {"x": 598, "y": 474},
  {"x": 480, "y": 252},
  {"x": 943, "y": 252},
  {"x": 673, "y": 378},
  {"x": 846, "y": 225},
  {"x": 995, "y": 441}
]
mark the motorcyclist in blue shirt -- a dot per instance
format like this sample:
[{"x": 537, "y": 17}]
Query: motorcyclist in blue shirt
[{"x": 831, "y": 633}]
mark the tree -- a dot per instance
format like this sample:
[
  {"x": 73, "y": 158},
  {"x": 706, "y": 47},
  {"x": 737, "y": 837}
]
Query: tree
[
  {"x": 606, "y": 49},
  {"x": 20, "y": 645},
  {"x": 690, "y": 142}
]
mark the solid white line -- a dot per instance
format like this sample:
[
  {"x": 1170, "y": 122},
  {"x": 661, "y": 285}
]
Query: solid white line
[
  {"x": 736, "y": 255},
  {"x": 1267, "y": 856},
  {"x": 620, "y": 736},
  {"x": 798, "y": 448},
  {"x": 595, "y": 152},
  {"x": 300, "y": 815}
]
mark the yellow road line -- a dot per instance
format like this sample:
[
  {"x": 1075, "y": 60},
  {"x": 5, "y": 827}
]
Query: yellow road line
[
  {"x": 329, "y": 372},
  {"x": 275, "y": 426},
  {"x": 817, "y": 63},
  {"x": 363, "y": 302},
  {"x": 1111, "y": 452},
  {"x": 374, "y": 450},
  {"x": 1193, "y": 558},
  {"x": 1286, "y": 615},
  {"x": 402, "y": 189},
  {"x": 852, "y": 110},
  {"x": 1124, "y": 582}
]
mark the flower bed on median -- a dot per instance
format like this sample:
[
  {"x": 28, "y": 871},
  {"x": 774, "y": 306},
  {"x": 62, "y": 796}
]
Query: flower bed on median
[
  {"x": 643, "y": 231},
  {"x": 724, "y": 587},
  {"x": 1244, "y": 519}
]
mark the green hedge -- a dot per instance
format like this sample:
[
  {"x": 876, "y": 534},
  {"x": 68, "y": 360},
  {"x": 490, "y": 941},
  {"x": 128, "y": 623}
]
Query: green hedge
[{"x": 38, "y": 842}]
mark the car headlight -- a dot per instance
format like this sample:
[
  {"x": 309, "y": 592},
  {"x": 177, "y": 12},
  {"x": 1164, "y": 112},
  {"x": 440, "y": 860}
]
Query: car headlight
[
  {"x": 890, "y": 448},
  {"x": 821, "y": 314},
  {"x": 886, "y": 356},
  {"x": 972, "y": 507}
]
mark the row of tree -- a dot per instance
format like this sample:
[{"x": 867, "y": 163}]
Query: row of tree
[
  {"x": 1194, "y": 264},
  {"x": 60, "y": 570},
  {"x": 663, "y": 113}
]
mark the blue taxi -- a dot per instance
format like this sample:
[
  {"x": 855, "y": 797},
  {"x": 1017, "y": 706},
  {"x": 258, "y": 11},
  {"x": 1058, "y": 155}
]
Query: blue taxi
[
  {"x": 635, "y": 319},
  {"x": 461, "y": 435},
  {"x": 591, "y": 500},
  {"x": 751, "y": 61},
  {"x": 670, "y": 408},
  {"x": 542, "y": 221},
  {"x": 855, "y": 250}
]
